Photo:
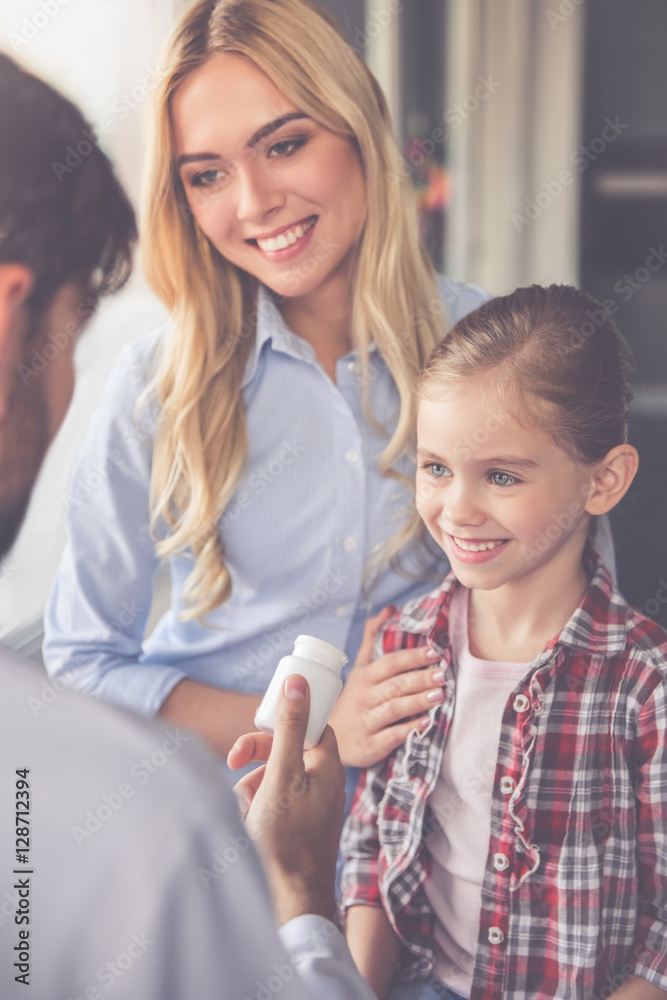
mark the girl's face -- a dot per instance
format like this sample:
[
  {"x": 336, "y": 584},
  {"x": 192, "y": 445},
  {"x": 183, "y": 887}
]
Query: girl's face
[
  {"x": 502, "y": 500},
  {"x": 277, "y": 194}
]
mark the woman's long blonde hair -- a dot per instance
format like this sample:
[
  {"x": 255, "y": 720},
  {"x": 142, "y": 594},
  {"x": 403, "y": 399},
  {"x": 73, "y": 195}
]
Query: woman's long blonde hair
[{"x": 201, "y": 441}]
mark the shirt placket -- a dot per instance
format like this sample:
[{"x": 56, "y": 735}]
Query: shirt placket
[{"x": 512, "y": 855}]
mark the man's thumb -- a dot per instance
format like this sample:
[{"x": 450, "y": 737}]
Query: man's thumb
[{"x": 291, "y": 723}]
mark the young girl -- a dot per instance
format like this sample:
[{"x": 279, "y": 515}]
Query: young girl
[{"x": 515, "y": 845}]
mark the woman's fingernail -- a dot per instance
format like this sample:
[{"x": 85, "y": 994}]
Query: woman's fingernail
[
  {"x": 438, "y": 695},
  {"x": 433, "y": 654},
  {"x": 424, "y": 723},
  {"x": 438, "y": 676},
  {"x": 295, "y": 687}
]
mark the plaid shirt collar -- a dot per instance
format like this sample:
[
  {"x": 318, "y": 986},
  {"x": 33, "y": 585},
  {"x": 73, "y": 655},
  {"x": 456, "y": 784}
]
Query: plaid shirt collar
[{"x": 599, "y": 625}]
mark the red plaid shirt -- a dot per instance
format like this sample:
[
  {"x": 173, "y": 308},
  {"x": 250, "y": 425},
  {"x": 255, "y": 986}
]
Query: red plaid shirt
[{"x": 579, "y": 810}]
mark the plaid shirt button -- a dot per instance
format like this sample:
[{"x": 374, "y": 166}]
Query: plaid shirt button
[
  {"x": 495, "y": 935},
  {"x": 501, "y": 862},
  {"x": 521, "y": 703},
  {"x": 507, "y": 785}
]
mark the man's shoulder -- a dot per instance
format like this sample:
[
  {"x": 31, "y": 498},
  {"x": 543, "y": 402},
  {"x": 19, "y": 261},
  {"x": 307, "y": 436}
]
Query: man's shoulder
[{"x": 44, "y": 722}]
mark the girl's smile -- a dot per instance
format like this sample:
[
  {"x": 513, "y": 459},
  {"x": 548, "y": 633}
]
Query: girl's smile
[{"x": 477, "y": 550}]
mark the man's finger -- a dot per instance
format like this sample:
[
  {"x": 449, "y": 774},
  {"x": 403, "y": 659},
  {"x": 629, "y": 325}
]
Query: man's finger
[
  {"x": 292, "y": 710},
  {"x": 246, "y": 788},
  {"x": 250, "y": 747}
]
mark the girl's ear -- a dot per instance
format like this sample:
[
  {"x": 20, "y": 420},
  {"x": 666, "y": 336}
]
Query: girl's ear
[{"x": 611, "y": 478}]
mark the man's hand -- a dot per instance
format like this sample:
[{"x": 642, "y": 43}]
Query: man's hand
[
  {"x": 378, "y": 695},
  {"x": 293, "y": 806}
]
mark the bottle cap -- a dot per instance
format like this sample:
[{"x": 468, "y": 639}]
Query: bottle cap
[{"x": 310, "y": 648}]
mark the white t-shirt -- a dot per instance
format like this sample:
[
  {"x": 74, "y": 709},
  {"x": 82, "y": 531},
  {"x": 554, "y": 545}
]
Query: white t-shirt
[
  {"x": 132, "y": 875},
  {"x": 461, "y": 801}
]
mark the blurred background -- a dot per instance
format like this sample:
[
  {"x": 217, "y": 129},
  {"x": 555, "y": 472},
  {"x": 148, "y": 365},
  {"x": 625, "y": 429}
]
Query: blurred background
[{"x": 535, "y": 132}]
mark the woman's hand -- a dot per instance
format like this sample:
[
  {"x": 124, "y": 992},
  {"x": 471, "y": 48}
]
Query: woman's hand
[{"x": 377, "y": 695}]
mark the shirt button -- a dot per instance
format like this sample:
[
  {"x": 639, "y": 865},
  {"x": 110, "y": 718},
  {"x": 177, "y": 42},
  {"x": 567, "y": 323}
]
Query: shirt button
[
  {"x": 507, "y": 785},
  {"x": 521, "y": 703},
  {"x": 351, "y": 456},
  {"x": 350, "y": 543},
  {"x": 341, "y": 611},
  {"x": 352, "y": 366},
  {"x": 495, "y": 935},
  {"x": 501, "y": 862}
]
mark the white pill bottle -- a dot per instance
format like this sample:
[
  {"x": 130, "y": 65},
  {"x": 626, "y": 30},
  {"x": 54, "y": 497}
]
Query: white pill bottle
[{"x": 320, "y": 663}]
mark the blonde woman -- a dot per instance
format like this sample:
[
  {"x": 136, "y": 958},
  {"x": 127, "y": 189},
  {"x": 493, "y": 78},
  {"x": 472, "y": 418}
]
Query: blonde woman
[{"x": 262, "y": 441}]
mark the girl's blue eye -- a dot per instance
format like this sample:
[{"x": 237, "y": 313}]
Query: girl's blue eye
[
  {"x": 502, "y": 479},
  {"x": 436, "y": 470}
]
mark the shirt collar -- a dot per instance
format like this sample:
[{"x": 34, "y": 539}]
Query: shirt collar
[
  {"x": 272, "y": 327},
  {"x": 599, "y": 625}
]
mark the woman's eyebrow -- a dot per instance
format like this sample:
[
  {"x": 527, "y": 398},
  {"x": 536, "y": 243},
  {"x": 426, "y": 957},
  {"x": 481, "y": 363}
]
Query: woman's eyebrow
[
  {"x": 273, "y": 126},
  {"x": 256, "y": 137}
]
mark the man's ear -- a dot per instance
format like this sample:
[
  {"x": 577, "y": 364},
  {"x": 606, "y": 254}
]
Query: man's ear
[
  {"x": 16, "y": 284},
  {"x": 611, "y": 478}
]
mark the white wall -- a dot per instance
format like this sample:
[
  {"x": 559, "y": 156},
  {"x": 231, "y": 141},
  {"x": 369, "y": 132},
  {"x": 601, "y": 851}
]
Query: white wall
[{"x": 100, "y": 53}]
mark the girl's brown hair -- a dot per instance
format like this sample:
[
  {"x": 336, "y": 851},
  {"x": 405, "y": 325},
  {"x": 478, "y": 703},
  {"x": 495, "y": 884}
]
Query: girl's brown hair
[{"x": 556, "y": 359}]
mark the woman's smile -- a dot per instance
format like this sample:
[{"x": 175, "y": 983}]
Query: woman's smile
[{"x": 294, "y": 237}]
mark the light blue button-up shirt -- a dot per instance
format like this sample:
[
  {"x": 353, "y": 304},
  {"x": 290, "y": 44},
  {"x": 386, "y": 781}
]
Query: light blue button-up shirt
[{"x": 298, "y": 535}]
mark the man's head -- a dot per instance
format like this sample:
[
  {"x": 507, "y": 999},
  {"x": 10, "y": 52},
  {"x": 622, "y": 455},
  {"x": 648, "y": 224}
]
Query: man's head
[{"x": 65, "y": 240}]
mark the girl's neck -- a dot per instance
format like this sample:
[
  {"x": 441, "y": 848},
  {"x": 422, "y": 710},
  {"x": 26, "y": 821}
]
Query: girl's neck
[
  {"x": 515, "y": 622},
  {"x": 324, "y": 319}
]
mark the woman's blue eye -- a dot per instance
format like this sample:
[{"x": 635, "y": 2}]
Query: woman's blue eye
[
  {"x": 502, "y": 479},
  {"x": 286, "y": 147},
  {"x": 206, "y": 178}
]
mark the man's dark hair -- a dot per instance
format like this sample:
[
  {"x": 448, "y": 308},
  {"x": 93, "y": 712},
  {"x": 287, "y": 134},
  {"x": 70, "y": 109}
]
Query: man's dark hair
[{"x": 74, "y": 226}]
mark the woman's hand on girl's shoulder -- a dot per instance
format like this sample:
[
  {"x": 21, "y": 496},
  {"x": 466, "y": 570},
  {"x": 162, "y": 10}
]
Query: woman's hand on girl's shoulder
[{"x": 369, "y": 718}]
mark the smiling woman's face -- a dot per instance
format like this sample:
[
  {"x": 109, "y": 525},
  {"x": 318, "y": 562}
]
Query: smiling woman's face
[{"x": 276, "y": 193}]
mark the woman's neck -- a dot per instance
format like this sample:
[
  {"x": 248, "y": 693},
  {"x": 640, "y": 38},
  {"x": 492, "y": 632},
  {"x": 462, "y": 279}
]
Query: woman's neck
[
  {"x": 324, "y": 320},
  {"x": 515, "y": 622}
]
